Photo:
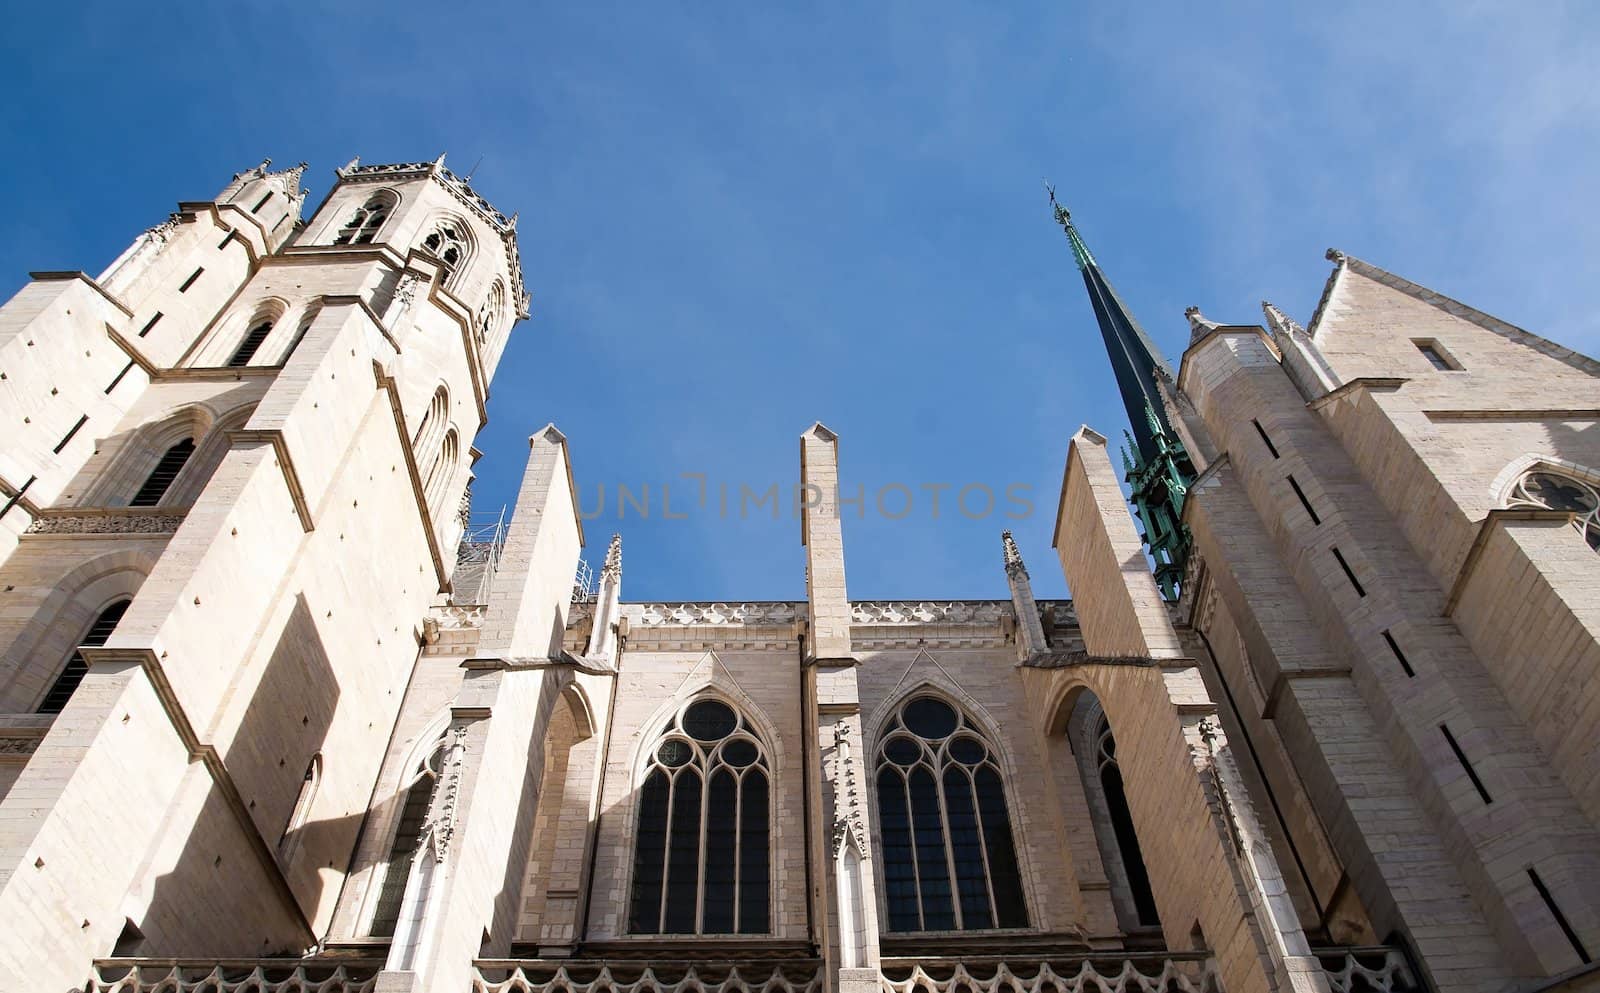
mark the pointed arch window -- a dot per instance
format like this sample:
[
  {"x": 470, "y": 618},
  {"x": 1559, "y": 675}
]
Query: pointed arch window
[
  {"x": 493, "y": 312},
  {"x": 161, "y": 477},
  {"x": 418, "y": 799},
  {"x": 701, "y": 854},
  {"x": 251, "y": 344},
  {"x": 448, "y": 243},
  {"x": 363, "y": 226},
  {"x": 1127, "y": 840},
  {"x": 949, "y": 859},
  {"x": 1544, "y": 488},
  {"x": 77, "y": 667},
  {"x": 302, "y": 806},
  {"x": 442, "y": 470}
]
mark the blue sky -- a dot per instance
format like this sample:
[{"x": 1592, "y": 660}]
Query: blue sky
[{"x": 739, "y": 219}]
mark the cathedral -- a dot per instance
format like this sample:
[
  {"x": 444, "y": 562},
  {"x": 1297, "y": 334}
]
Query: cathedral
[{"x": 1322, "y": 716}]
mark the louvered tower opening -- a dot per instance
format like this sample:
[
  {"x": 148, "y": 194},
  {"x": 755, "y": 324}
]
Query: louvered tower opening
[
  {"x": 77, "y": 667},
  {"x": 252, "y": 341},
  {"x": 165, "y": 472}
]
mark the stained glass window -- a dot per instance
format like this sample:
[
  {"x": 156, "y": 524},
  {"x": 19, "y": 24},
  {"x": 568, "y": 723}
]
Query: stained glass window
[
  {"x": 702, "y": 847},
  {"x": 1549, "y": 490},
  {"x": 949, "y": 860}
]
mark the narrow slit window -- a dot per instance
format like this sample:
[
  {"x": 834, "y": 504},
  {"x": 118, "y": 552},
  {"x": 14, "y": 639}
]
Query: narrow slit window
[
  {"x": 1264, "y": 439},
  {"x": 1348, "y": 574},
  {"x": 251, "y": 343},
  {"x": 17, "y": 496},
  {"x": 1398, "y": 654},
  {"x": 1461, "y": 757},
  {"x": 75, "y": 429},
  {"x": 1561, "y": 919},
  {"x": 1436, "y": 356},
  {"x": 227, "y": 240},
  {"x": 1310, "y": 512},
  {"x": 161, "y": 477},
  {"x": 261, "y": 203},
  {"x": 152, "y": 322},
  {"x": 77, "y": 667},
  {"x": 125, "y": 370},
  {"x": 190, "y": 281}
]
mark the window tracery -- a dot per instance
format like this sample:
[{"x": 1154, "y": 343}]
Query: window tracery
[
  {"x": 1544, "y": 489},
  {"x": 949, "y": 858},
  {"x": 363, "y": 226},
  {"x": 77, "y": 667},
  {"x": 701, "y": 854},
  {"x": 493, "y": 312},
  {"x": 448, "y": 243}
]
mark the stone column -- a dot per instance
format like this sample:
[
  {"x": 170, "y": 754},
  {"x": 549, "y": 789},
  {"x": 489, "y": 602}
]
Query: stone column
[
  {"x": 844, "y": 902},
  {"x": 463, "y": 888}
]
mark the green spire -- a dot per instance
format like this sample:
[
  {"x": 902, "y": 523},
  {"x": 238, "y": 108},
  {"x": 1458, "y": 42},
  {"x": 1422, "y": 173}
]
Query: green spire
[{"x": 1080, "y": 251}]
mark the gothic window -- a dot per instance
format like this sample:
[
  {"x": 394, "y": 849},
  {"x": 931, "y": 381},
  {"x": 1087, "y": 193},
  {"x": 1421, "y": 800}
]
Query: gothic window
[
  {"x": 1545, "y": 489},
  {"x": 493, "y": 312},
  {"x": 363, "y": 226},
  {"x": 433, "y": 422},
  {"x": 77, "y": 667},
  {"x": 949, "y": 859},
  {"x": 160, "y": 480},
  {"x": 701, "y": 855},
  {"x": 251, "y": 343},
  {"x": 1105, "y": 759},
  {"x": 442, "y": 470},
  {"x": 448, "y": 243},
  {"x": 418, "y": 798}
]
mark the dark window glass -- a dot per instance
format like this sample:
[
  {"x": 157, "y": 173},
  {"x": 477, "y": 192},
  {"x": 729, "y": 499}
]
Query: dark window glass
[
  {"x": 61, "y": 691},
  {"x": 251, "y": 343},
  {"x": 709, "y": 720},
  {"x": 675, "y": 889},
  {"x": 650, "y": 860},
  {"x": 161, "y": 477},
  {"x": 899, "y": 874},
  {"x": 722, "y": 840},
  {"x": 929, "y": 718},
  {"x": 401, "y": 854},
  {"x": 967, "y": 848},
  {"x": 754, "y": 916},
  {"x": 951, "y": 817},
  {"x": 997, "y": 841},
  {"x": 739, "y": 753},
  {"x": 1128, "y": 844},
  {"x": 932, "y": 870},
  {"x": 1434, "y": 357},
  {"x": 902, "y": 751},
  {"x": 683, "y": 855}
]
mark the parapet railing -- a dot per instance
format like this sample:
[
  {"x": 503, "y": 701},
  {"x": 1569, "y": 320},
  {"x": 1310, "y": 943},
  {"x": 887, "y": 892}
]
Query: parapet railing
[
  {"x": 527, "y": 976},
  {"x": 1367, "y": 969},
  {"x": 231, "y": 976},
  {"x": 1092, "y": 973}
]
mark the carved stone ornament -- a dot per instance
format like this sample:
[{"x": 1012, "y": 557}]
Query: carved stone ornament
[
  {"x": 131, "y": 522},
  {"x": 848, "y": 821},
  {"x": 441, "y": 822}
]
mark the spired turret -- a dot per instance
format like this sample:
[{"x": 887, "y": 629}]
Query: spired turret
[{"x": 1155, "y": 463}]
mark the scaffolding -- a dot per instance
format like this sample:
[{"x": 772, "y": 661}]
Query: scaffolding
[{"x": 478, "y": 557}]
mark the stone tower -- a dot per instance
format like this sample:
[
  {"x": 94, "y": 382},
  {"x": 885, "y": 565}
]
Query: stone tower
[{"x": 235, "y": 473}]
